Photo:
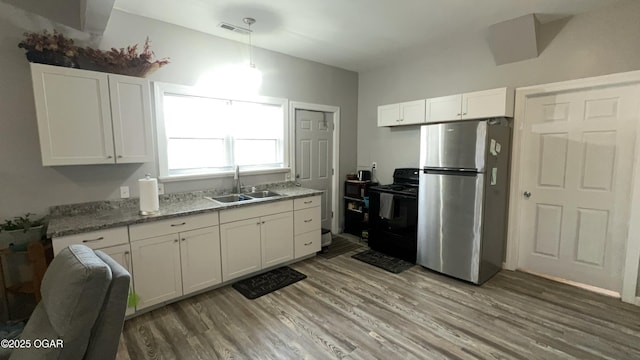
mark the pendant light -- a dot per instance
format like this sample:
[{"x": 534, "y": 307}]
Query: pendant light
[{"x": 250, "y": 21}]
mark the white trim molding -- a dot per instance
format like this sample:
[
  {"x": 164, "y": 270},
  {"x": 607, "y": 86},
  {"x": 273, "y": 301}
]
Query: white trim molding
[
  {"x": 335, "y": 178},
  {"x": 632, "y": 260}
]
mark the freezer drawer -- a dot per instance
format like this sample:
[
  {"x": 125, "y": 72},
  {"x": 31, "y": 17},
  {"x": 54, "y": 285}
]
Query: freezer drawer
[
  {"x": 458, "y": 145},
  {"x": 450, "y": 223}
]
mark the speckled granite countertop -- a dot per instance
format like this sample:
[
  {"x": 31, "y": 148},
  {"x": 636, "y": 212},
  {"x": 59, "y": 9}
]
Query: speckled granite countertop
[{"x": 84, "y": 217}]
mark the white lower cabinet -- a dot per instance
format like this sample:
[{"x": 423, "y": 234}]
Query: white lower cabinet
[
  {"x": 307, "y": 221},
  {"x": 240, "y": 244},
  {"x": 171, "y": 265},
  {"x": 156, "y": 269},
  {"x": 255, "y": 238},
  {"x": 200, "y": 259},
  {"x": 122, "y": 255},
  {"x": 276, "y": 235}
]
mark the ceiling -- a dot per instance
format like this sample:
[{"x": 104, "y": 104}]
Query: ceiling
[{"x": 357, "y": 35}]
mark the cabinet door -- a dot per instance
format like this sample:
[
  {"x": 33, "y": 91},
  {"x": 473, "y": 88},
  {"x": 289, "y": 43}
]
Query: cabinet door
[
  {"x": 131, "y": 117},
  {"x": 445, "y": 108},
  {"x": 156, "y": 269},
  {"x": 200, "y": 254},
  {"x": 277, "y": 239},
  {"x": 74, "y": 117},
  {"x": 240, "y": 246},
  {"x": 122, "y": 255},
  {"x": 388, "y": 115},
  {"x": 412, "y": 112},
  {"x": 488, "y": 103}
]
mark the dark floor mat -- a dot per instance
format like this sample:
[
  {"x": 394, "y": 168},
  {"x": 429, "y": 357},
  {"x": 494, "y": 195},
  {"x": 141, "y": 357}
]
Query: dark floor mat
[
  {"x": 383, "y": 261},
  {"x": 262, "y": 284},
  {"x": 339, "y": 246}
]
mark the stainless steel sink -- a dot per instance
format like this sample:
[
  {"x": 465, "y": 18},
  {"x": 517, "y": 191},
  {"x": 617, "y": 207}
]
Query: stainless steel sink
[
  {"x": 229, "y": 198},
  {"x": 262, "y": 194}
]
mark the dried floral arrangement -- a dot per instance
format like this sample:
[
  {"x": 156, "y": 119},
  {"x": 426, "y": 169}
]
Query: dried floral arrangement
[
  {"x": 122, "y": 61},
  {"x": 46, "y": 41},
  {"x": 55, "y": 49}
]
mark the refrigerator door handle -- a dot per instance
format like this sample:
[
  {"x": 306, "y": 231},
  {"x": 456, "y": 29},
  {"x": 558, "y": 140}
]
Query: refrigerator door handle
[{"x": 457, "y": 171}]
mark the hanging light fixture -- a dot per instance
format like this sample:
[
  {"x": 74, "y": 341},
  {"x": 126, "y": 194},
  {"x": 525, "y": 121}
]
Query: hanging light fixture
[
  {"x": 250, "y": 21},
  {"x": 253, "y": 75}
]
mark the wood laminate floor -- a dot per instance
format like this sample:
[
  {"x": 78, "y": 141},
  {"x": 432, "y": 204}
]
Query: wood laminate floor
[{"x": 348, "y": 309}]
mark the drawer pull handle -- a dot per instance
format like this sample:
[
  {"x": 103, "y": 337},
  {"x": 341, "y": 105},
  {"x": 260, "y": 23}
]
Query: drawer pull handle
[
  {"x": 309, "y": 243},
  {"x": 308, "y": 202},
  {"x": 308, "y": 220},
  {"x": 93, "y": 240},
  {"x": 182, "y": 223}
]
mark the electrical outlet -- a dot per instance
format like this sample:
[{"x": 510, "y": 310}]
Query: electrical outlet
[
  {"x": 374, "y": 165},
  {"x": 160, "y": 189},
  {"x": 124, "y": 192}
]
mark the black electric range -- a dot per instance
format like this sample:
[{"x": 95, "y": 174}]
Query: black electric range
[{"x": 393, "y": 215}]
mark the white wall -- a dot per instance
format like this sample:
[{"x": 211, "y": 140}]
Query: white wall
[
  {"x": 597, "y": 43},
  {"x": 27, "y": 186}
]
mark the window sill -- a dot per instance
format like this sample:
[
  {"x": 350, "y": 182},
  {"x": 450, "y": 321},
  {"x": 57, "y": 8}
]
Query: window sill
[{"x": 224, "y": 174}]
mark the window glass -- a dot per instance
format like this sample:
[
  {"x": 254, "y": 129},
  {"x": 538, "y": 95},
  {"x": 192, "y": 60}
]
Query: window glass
[{"x": 205, "y": 135}]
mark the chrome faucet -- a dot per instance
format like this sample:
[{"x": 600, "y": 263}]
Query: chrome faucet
[{"x": 236, "y": 178}]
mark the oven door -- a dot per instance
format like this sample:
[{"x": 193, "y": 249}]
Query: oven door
[{"x": 393, "y": 230}]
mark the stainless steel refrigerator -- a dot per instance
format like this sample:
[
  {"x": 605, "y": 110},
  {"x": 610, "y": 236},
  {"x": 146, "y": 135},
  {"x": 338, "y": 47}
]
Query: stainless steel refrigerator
[{"x": 463, "y": 195}]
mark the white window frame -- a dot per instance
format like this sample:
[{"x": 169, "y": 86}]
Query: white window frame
[{"x": 161, "y": 88}]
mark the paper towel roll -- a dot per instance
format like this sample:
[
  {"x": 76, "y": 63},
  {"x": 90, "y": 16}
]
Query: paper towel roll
[{"x": 149, "y": 202}]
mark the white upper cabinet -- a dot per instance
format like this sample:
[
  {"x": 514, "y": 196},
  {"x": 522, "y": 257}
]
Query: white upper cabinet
[
  {"x": 474, "y": 105},
  {"x": 406, "y": 113},
  {"x": 87, "y": 117},
  {"x": 444, "y": 108}
]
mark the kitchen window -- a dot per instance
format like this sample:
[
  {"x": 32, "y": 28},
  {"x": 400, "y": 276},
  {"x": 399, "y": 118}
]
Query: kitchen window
[{"x": 200, "y": 135}]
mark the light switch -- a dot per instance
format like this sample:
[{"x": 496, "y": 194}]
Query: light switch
[{"x": 494, "y": 176}]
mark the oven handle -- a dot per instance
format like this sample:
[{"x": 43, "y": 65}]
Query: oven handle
[{"x": 394, "y": 194}]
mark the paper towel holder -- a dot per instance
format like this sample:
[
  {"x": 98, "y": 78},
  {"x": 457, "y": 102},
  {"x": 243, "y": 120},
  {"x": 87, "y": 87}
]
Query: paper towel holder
[{"x": 147, "y": 213}]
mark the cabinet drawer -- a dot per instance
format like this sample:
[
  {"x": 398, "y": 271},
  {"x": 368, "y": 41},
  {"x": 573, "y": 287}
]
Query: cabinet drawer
[
  {"x": 171, "y": 226},
  {"x": 306, "y": 220},
  {"x": 308, "y": 202},
  {"x": 252, "y": 211},
  {"x": 307, "y": 243},
  {"x": 94, "y": 239}
]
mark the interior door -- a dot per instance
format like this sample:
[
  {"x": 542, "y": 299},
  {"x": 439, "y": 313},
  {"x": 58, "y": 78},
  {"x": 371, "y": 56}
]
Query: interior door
[
  {"x": 314, "y": 156},
  {"x": 577, "y": 155}
]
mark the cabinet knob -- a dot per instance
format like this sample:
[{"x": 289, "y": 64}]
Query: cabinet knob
[
  {"x": 126, "y": 252},
  {"x": 263, "y": 222},
  {"x": 309, "y": 243},
  {"x": 175, "y": 240},
  {"x": 258, "y": 223},
  {"x": 119, "y": 156},
  {"x": 109, "y": 157},
  {"x": 458, "y": 114},
  {"x": 183, "y": 239},
  {"x": 464, "y": 113}
]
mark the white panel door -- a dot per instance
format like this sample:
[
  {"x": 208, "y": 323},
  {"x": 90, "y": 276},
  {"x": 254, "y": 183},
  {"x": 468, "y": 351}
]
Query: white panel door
[
  {"x": 314, "y": 156},
  {"x": 156, "y": 269},
  {"x": 122, "y": 255},
  {"x": 200, "y": 255},
  {"x": 131, "y": 115},
  {"x": 277, "y": 239},
  {"x": 240, "y": 246},
  {"x": 74, "y": 116},
  {"x": 578, "y": 156},
  {"x": 444, "y": 108}
]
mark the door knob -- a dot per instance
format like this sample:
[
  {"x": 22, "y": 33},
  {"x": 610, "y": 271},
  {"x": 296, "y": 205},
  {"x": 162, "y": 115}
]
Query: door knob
[{"x": 527, "y": 194}]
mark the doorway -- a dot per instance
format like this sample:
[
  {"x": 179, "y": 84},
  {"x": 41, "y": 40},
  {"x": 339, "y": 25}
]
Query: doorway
[
  {"x": 574, "y": 169},
  {"x": 315, "y": 154}
]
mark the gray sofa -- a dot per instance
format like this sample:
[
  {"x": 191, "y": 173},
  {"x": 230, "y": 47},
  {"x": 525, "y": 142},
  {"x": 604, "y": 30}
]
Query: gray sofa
[{"x": 84, "y": 298}]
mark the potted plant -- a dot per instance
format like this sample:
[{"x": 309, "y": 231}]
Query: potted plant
[
  {"x": 20, "y": 231},
  {"x": 49, "y": 48}
]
